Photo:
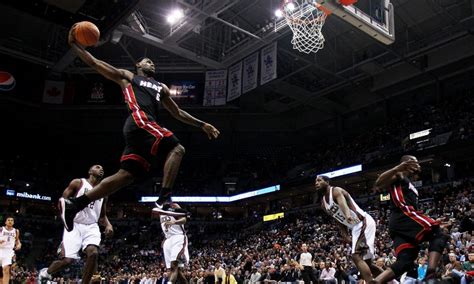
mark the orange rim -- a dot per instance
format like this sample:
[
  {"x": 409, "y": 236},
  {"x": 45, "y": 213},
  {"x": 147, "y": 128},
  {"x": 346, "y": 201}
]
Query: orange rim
[
  {"x": 318, "y": 6},
  {"x": 324, "y": 9}
]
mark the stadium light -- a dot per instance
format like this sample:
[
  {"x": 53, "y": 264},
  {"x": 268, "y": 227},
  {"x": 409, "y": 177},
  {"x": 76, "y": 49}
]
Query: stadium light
[
  {"x": 290, "y": 6},
  {"x": 278, "y": 13},
  {"x": 175, "y": 16},
  {"x": 216, "y": 199},
  {"x": 343, "y": 171},
  {"x": 419, "y": 134}
]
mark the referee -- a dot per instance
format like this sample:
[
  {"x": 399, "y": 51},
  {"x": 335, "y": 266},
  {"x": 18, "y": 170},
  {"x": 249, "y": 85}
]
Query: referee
[{"x": 305, "y": 260}]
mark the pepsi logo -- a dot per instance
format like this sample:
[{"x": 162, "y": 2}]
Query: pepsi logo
[{"x": 7, "y": 81}]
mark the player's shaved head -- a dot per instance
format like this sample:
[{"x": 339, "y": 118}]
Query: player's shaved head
[
  {"x": 406, "y": 158},
  {"x": 141, "y": 59},
  {"x": 325, "y": 178}
]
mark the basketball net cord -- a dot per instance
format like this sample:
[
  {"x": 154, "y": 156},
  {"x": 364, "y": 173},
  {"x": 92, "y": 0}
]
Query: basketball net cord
[{"x": 305, "y": 21}]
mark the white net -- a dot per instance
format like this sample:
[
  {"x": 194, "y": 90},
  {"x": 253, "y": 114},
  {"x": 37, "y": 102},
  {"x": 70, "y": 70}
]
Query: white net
[{"x": 306, "y": 21}]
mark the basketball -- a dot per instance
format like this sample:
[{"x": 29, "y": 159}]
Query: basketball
[{"x": 86, "y": 33}]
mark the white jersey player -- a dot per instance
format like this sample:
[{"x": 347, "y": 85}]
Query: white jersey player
[
  {"x": 9, "y": 242},
  {"x": 175, "y": 245},
  {"x": 85, "y": 235},
  {"x": 339, "y": 204}
]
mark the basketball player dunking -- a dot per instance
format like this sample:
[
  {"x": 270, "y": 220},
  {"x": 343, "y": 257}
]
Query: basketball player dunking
[
  {"x": 144, "y": 138},
  {"x": 339, "y": 204},
  {"x": 175, "y": 245},
  {"x": 86, "y": 233},
  {"x": 409, "y": 227},
  {"x": 9, "y": 242}
]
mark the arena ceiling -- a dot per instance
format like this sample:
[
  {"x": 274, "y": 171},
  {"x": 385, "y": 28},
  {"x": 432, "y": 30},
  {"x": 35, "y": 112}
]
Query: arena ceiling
[{"x": 433, "y": 39}]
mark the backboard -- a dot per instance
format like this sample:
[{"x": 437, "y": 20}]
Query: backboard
[{"x": 373, "y": 17}]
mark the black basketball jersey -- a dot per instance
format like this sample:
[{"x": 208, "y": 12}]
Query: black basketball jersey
[
  {"x": 403, "y": 196},
  {"x": 143, "y": 101}
]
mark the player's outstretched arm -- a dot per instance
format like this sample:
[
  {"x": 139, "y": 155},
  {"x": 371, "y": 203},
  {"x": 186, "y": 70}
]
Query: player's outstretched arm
[
  {"x": 120, "y": 76},
  {"x": 388, "y": 177},
  {"x": 185, "y": 117}
]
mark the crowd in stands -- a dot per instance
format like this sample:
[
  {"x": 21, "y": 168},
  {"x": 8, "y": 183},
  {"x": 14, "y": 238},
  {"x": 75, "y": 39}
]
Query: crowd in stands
[
  {"x": 277, "y": 164},
  {"x": 262, "y": 252},
  {"x": 452, "y": 116},
  {"x": 268, "y": 251}
]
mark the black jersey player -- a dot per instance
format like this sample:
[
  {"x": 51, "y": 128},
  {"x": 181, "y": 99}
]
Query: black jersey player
[
  {"x": 408, "y": 226},
  {"x": 144, "y": 137}
]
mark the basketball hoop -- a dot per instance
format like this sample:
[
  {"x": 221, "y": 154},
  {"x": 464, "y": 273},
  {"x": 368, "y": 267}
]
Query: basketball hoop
[{"x": 306, "y": 19}]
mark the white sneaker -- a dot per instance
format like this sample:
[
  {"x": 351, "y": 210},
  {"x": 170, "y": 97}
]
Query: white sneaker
[{"x": 43, "y": 276}]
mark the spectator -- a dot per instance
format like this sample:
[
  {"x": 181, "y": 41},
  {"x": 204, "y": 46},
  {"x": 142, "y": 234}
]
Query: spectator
[
  {"x": 229, "y": 277},
  {"x": 255, "y": 276},
  {"x": 219, "y": 273},
  {"x": 422, "y": 267},
  {"x": 452, "y": 265},
  {"x": 327, "y": 273}
]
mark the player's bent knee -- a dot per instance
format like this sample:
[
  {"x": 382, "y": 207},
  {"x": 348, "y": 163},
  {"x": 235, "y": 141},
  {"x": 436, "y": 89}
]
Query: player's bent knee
[
  {"x": 405, "y": 261},
  {"x": 92, "y": 252},
  {"x": 439, "y": 242},
  {"x": 125, "y": 176},
  {"x": 356, "y": 257},
  {"x": 174, "y": 265},
  {"x": 179, "y": 149},
  {"x": 68, "y": 260},
  {"x": 402, "y": 266}
]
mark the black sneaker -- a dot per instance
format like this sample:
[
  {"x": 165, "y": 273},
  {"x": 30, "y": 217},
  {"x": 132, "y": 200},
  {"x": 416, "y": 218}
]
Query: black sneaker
[
  {"x": 67, "y": 210},
  {"x": 166, "y": 209},
  {"x": 164, "y": 199}
]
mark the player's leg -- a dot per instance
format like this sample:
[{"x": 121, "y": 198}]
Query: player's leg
[
  {"x": 405, "y": 262},
  {"x": 70, "y": 206},
  {"x": 6, "y": 274},
  {"x": 362, "y": 266},
  {"x": 92, "y": 260},
  {"x": 177, "y": 247},
  {"x": 174, "y": 152},
  {"x": 167, "y": 245},
  {"x": 185, "y": 258},
  {"x": 90, "y": 242},
  {"x": 170, "y": 170},
  {"x": 5, "y": 261},
  {"x": 376, "y": 271},
  {"x": 132, "y": 165},
  {"x": 360, "y": 246},
  {"x": 437, "y": 244},
  {"x": 135, "y": 161},
  {"x": 109, "y": 185},
  {"x": 69, "y": 250},
  {"x": 55, "y": 267},
  {"x": 370, "y": 231},
  {"x": 181, "y": 276},
  {"x": 174, "y": 271}
]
